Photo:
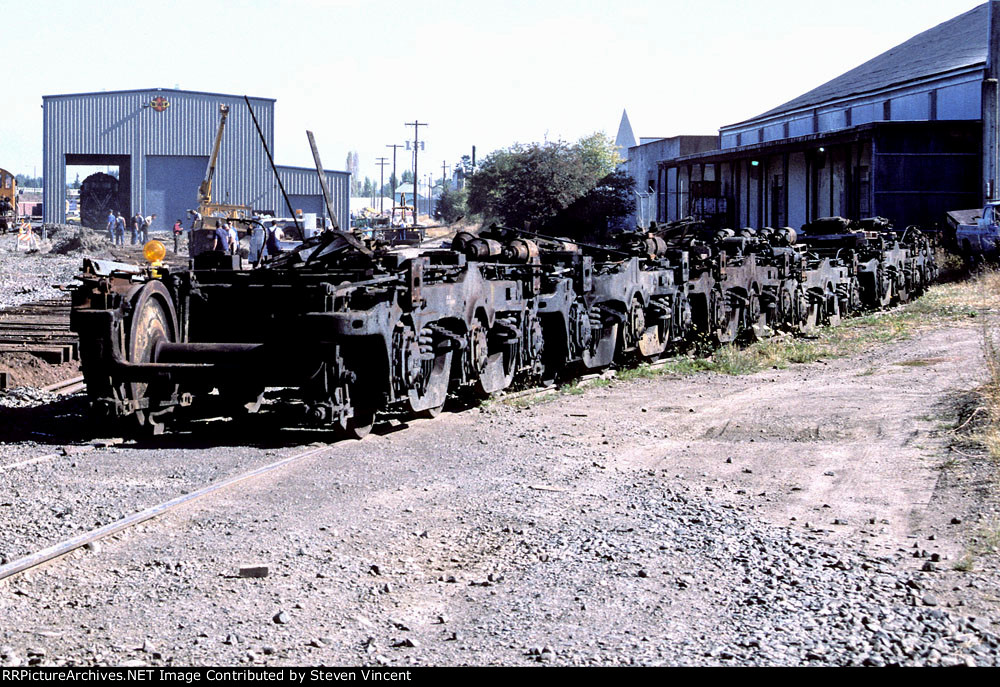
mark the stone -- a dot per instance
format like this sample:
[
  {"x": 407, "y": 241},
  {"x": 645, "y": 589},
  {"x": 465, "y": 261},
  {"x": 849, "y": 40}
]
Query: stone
[
  {"x": 281, "y": 618},
  {"x": 254, "y": 571}
]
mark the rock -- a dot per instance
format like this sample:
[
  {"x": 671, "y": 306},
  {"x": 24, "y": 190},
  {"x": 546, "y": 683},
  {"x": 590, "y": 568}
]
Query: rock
[
  {"x": 930, "y": 600},
  {"x": 254, "y": 571},
  {"x": 929, "y": 567},
  {"x": 407, "y": 644},
  {"x": 281, "y": 618},
  {"x": 956, "y": 521}
]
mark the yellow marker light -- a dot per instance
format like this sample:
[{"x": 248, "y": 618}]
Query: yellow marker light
[{"x": 154, "y": 252}]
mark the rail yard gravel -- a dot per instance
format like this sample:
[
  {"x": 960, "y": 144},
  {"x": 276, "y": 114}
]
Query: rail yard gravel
[{"x": 814, "y": 515}]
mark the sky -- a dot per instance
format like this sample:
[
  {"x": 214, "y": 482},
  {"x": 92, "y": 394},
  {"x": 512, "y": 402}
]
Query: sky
[{"x": 484, "y": 74}]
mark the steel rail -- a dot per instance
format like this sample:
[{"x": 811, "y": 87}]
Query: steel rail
[
  {"x": 62, "y": 548},
  {"x": 66, "y": 386}
]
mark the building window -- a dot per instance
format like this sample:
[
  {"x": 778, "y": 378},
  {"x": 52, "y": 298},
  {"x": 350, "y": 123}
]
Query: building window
[
  {"x": 778, "y": 218},
  {"x": 863, "y": 190}
]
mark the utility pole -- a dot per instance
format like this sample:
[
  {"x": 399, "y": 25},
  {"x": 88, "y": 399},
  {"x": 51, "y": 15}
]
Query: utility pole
[
  {"x": 395, "y": 179},
  {"x": 416, "y": 149},
  {"x": 990, "y": 109},
  {"x": 444, "y": 174},
  {"x": 382, "y": 162}
]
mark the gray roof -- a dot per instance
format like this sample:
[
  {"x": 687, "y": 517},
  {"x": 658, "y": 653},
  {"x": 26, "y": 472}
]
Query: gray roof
[
  {"x": 625, "y": 138},
  {"x": 152, "y": 90},
  {"x": 958, "y": 43}
]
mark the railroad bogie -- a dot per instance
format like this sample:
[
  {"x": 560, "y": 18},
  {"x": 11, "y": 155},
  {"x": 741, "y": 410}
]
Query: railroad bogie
[{"x": 346, "y": 335}]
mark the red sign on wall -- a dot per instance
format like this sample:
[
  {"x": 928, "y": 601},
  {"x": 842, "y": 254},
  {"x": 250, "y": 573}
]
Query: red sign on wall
[{"x": 159, "y": 103}]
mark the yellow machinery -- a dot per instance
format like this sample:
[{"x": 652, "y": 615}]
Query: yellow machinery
[
  {"x": 8, "y": 200},
  {"x": 202, "y": 231}
]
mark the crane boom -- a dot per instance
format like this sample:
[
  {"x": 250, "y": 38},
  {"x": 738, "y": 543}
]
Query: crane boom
[{"x": 205, "y": 189}]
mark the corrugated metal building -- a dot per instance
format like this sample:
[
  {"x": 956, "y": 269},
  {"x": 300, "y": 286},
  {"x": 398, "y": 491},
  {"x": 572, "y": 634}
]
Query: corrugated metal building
[
  {"x": 900, "y": 136},
  {"x": 161, "y": 139}
]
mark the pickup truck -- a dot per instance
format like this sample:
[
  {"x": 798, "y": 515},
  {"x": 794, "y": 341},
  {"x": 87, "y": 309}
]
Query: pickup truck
[{"x": 977, "y": 232}]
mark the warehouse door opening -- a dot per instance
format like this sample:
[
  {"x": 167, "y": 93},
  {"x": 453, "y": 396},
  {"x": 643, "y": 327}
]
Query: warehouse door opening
[
  {"x": 97, "y": 185},
  {"x": 172, "y": 189}
]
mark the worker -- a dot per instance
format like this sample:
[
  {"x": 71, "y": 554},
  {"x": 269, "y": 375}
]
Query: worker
[
  {"x": 119, "y": 229},
  {"x": 220, "y": 238},
  {"x": 271, "y": 239},
  {"x": 146, "y": 222},
  {"x": 111, "y": 225},
  {"x": 137, "y": 221},
  {"x": 234, "y": 239},
  {"x": 178, "y": 230}
]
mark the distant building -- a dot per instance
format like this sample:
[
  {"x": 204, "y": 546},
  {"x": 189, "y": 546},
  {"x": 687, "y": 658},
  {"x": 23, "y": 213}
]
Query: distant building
[
  {"x": 900, "y": 136},
  {"x": 161, "y": 139},
  {"x": 643, "y": 167},
  {"x": 625, "y": 138}
]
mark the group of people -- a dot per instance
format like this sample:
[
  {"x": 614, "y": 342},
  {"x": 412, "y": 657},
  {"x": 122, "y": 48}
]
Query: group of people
[
  {"x": 225, "y": 237},
  {"x": 140, "y": 228}
]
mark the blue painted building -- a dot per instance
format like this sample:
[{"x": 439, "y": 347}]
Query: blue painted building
[
  {"x": 899, "y": 136},
  {"x": 161, "y": 139}
]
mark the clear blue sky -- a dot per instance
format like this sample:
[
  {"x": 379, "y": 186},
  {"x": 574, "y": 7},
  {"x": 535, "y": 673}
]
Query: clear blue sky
[{"x": 486, "y": 73}]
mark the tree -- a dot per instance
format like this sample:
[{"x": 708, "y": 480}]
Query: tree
[
  {"x": 25, "y": 181},
  {"x": 451, "y": 205},
  {"x": 604, "y": 207},
  {"x": 407, "y": 177},
  {"x": 534, "y": 183},
  {"x": 353, "y": 166}
]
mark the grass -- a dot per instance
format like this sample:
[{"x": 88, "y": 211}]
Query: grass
[
  {"x": 985, "y": 540},
  {"x": 942, "y": 304}
]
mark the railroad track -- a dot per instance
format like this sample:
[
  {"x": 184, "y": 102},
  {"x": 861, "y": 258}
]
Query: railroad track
[
  {"x": 41, "y": 329},
  {"x": 62, "y": 548}
]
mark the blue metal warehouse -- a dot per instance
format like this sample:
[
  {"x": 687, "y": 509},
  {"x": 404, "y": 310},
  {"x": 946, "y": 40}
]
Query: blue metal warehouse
[
  {"x": 161, "y": 139},
  {"x": 901, "y": 136}
]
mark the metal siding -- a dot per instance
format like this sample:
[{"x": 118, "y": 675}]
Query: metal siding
[
  {"x": 119, "y": 124},
  {"x": 302, "y": 181},
  {"x": 172, "y": 187}
]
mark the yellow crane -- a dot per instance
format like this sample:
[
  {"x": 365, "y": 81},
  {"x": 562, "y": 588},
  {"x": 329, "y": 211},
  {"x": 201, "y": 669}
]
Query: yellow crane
[{"x": 201, "y": 235}]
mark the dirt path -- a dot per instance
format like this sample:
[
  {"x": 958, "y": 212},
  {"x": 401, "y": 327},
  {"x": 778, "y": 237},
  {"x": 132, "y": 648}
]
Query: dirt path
[{"x": 707, "y": 519}]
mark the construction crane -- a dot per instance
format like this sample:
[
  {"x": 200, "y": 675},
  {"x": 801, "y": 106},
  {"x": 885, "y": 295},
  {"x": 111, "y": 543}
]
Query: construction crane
[{"x": 201, "y": 236}]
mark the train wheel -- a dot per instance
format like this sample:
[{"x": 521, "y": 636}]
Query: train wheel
[
  {"x": 757, "y": 317},
  {"x": 427, "y": 396},
  {"x": 500, "y": 353},
  {"x": 902, "y": 291},
  {"x": 153, "y": 321},
  {"x": 831, "y": 307},
  {"x": 360, "y": 426}
]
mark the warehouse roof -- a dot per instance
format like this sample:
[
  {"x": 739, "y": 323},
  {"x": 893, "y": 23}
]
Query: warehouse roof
[
  {"x": 148, "y": 90},
  {"x": 958, "y": 43}
]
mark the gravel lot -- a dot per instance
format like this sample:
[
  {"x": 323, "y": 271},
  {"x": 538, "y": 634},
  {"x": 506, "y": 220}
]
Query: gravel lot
[{"x": 808, "y": 516}]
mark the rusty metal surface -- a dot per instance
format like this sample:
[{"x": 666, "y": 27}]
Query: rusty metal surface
[{"x": 348, "y": 334}]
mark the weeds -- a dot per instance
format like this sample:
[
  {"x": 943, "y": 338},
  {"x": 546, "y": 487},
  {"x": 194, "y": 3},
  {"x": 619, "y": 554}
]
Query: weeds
[{"x": 950, "y": 303}]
